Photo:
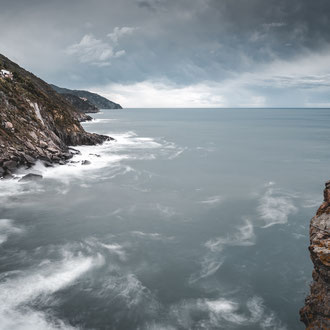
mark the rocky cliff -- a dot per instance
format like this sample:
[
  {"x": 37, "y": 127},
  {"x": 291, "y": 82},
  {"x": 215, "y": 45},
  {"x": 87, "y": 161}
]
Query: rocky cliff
[
  {"x": 35, "y": 121},
  {"x": 316, "y": 312},
  {"x": 97, "y": 100}
]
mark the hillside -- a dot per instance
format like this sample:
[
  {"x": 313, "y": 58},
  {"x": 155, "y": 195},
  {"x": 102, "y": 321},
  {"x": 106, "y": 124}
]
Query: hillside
[
  {"x": 82, "y": 104},
  {"x": 97, "y": 100},
  {"x": 35, "y": 121}
]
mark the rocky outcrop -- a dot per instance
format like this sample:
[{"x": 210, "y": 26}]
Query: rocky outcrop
[
  {"x": 97, "y": 100},
  {"x": 316, "y": 312},
  {"x": 35, "y": 122}
]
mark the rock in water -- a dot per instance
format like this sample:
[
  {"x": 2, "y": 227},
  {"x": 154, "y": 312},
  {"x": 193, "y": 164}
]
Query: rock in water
[
  {"x": 86, "y": 162},
  {"x": 31, "y": 177},
  {"x": 316, "y": 312}
]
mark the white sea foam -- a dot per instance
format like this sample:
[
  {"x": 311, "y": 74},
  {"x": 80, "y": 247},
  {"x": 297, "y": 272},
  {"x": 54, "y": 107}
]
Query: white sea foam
[
  {"x": 227, "y": 310},
  {"x": 7, "y": 228},
  {"x": 244, "y": 236},
  {"x": 213, "y": 259},
  {"x": 209, "y": 266},
  {"x": 98, "y": 120},
  {"x": 213, "y": 200},
  {"x": 223, "y": 313},
  {"x": 20, "y": 291},
  {"x": 128, "y": 289},
  {"x": 153, "y": 236},
  {"x": 275, "y": 206},
  {"x": 312, "y": 202},
  {"x": 166, "y": 211},
  {"x": 112, "y": 155}
]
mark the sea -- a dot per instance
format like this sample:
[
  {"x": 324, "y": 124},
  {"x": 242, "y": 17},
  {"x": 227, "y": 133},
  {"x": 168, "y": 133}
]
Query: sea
[{"x": 190, "y": 219}]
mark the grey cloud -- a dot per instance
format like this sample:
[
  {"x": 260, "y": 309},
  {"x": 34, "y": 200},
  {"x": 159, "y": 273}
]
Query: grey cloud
[{"x": 83, "y": 43}]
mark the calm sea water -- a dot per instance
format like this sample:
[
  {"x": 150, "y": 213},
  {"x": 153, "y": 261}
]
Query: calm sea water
[{"x": 192, "y": 219}]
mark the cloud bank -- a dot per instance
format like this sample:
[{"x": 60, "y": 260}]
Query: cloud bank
[{"x": 205, "y": 53}]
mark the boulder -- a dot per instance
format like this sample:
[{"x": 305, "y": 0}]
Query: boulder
[
  {"x": 85, "y": 162},
  {"x": 10, "y": 165},
  {"x": 30, "y": 145},
  {"x": 43, "y": 144},
  {"x": 48, "y": 164},
  {"x": 9, "y": 125},
  {"x": 30, "y": 160},
  {"x": 31, "y": 177}
]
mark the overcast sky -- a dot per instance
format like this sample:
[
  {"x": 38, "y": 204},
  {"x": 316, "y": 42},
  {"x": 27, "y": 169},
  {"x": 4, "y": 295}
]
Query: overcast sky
[{"x": 176, "y": 53}]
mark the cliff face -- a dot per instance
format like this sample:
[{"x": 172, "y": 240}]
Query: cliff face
[
  {"x": 35, "y": 122},
  {"x": 316, "y": 312},
  {"x": 97, "y": 100}
]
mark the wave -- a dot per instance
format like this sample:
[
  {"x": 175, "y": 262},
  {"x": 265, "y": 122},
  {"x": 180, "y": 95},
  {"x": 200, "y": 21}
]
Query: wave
[
  {"x": 243, "y": 237},
  {"x": 275, "y": 206},
  {"x": 20, "y": 291},
  {"x": 213, "y": 259},
  {"x": 213, "y": 200},
  {"x": 99, "y": 120},
  {"x": 7, "y": 228},
  {"x": 220, "y": 313},
  {"x": 86, "y": 166},
  {"x": 153, "y": 236}
]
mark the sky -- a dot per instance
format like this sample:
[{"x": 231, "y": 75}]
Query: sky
[{"x": 176, "y": 53}]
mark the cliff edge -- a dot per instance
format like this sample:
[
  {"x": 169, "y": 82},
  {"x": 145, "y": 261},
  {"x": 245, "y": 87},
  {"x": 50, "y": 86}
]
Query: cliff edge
[
  {"x": 316, "y": 312},
  {"x": 35, "y": 121}
]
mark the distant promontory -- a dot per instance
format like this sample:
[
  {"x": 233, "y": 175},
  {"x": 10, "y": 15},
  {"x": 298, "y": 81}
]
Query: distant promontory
[{"x": 90, "y": 98}]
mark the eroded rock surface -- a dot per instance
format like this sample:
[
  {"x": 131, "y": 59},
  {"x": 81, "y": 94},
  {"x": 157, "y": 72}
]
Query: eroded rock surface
[
  {"x": 316, "y": 312},
  {"x": 36, "y": 122}
]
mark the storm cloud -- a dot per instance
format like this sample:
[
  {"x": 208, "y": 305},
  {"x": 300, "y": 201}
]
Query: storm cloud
[{"x": 176, "y": 52}]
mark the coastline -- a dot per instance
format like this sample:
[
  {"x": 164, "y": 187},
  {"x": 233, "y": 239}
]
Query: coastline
[{"x": 316, "y": 312}]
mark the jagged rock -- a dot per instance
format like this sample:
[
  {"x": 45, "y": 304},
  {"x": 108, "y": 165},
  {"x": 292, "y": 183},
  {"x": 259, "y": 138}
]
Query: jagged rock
[
  {"x": 67, "y": 155},
  {"x": 29, "y": 145},
  {"x": 33, "y": 135},
  {"x": 48, "y": 164},
  {"x": 52, "y": 150},
  {"x": 86, "y": 162},
  {"x": 74, "y": 151},
  {"x": 9, "y": 125},
  {"x": 10, "y": 165},
  {"x": 43, "y": 144},
  {"x": 316, "y": 312},
  {"x": 30, "y": 160},
  {"x": 31, "y": 177}
]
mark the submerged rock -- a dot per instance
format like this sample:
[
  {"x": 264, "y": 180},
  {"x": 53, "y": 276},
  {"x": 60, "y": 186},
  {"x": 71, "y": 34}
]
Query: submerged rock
[
  {"x": 316, "y": 312},
  {"x": 31, "y": 177},
  {"x": 48, "y": 164}
]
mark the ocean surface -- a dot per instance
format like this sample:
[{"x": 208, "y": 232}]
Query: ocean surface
[{"x": 191, "y": 219}]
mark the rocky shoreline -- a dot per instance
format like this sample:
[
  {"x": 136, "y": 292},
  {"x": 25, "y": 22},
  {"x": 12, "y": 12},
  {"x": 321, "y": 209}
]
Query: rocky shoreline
[
  {"x": 36, "y": 123},
  {"x": 316, "y": 312}
]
